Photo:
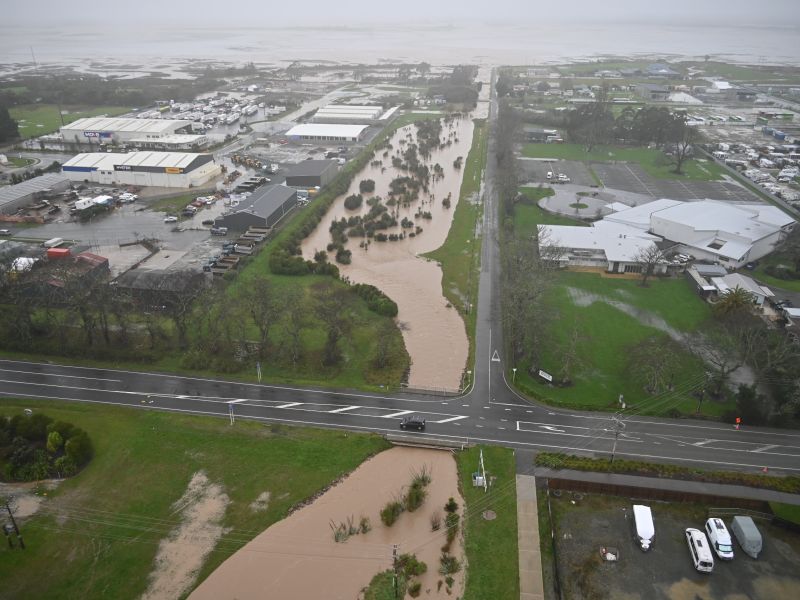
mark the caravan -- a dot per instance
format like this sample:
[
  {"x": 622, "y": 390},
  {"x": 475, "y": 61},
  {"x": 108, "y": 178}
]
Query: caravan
[
  {"x": 699, "y": 550},
  {"x": 720, "y": 538},
  {"x": 645, "y": 530}
]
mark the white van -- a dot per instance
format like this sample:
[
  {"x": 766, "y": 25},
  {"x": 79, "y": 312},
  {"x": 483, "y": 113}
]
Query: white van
[
  {"x": 720, "y": 538},
  {"x": 53, "y": 243},
  {"x": 699, "y": 551},
  {"x": 643, "y": 524}
]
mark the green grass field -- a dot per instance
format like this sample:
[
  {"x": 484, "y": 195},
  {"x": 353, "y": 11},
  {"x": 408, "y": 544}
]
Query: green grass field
[
  {"x": 39, "y": 119},
  {"x": 651, "y": 160},
  {"x": 460, "y": 253},
  {"x": 172, "y": 205},
  {"x": 119, "y": 508},
  {"x": 793, "y": 285},
  {"x": 606, "y": 337},
  {"x": 491, "y": 546},
  {"x": 20, "y": 162}
]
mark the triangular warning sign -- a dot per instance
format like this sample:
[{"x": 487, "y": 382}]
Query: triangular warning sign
[{"x": 495, "y": 357}]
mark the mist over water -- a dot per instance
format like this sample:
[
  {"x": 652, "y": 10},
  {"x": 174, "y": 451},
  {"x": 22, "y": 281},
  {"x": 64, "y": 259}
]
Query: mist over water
[{"x": 485, "y": 43}]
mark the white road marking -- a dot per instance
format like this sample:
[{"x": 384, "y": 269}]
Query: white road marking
[
  {"x": 763, "y": 448},
  {"x": 344, "y": 409},
  {"x": 703, "y": 442},
  {"x": 289, "y": 405},
  {"x": 237, "y": 401},
  {"x": 421, "y": 434},
  {"x": 552, "y": 428},
  {"x": 451, "y": 419},
  {"x": 59, "y": 375},
  {"x": 397, "y": 414}
]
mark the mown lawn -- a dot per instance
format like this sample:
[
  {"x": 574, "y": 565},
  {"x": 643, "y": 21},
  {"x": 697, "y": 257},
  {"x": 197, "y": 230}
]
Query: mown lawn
[
  {"x": 118, "y": 509},
  {"x": 651, "y": 160},
  {"x": 459, "y": 256},
  {"x": 172, "y": 205},
  {"x": 606, "y": 337},
  {"x": 491, "y": 546},
  {"x": 39, "y": 119}
]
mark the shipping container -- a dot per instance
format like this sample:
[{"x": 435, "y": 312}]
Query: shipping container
[{"x": 56, "y": 253}]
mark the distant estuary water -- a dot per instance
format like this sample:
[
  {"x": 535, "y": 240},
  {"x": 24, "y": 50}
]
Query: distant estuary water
[{"x": 166, "y": 49}]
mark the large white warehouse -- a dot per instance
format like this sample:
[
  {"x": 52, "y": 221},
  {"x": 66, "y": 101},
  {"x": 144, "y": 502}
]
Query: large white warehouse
[
  {"x": 347, "y": 113},
  {"x": 104, "y": 130},
  {"x": 165, "y": 169},
  {"x": 325, "y": 132}
]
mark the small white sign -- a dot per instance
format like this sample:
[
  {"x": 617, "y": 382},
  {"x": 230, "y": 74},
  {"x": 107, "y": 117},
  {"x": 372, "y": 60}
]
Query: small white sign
[{"x": 545, "y": 375}]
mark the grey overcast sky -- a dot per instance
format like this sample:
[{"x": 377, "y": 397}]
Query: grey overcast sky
[{"x": 252, "y": 13}]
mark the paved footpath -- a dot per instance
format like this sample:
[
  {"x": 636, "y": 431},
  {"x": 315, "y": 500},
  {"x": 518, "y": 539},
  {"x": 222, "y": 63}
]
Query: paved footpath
[{"x": 531, "y": 586}]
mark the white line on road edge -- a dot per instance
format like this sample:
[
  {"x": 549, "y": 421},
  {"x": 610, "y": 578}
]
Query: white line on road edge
[
  {"x": 345, "y": 409},
  {"x": 289, "y": 405},
  {"x": 397, "y": 414},
  {"x": 420, "y": 434},
  {"x": 59, "y": 375},
  {"x": 237, "y": 401},
  {"x": 764, "y": 448},
  {"x": 450, "y": 419}
]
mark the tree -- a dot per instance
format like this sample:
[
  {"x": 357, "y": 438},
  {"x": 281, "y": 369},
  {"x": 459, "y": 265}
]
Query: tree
[
  {"x": 9, "y": 130},
  {"x": 750, "y": 404},
  {"x": 733, "y": 303},
  {"x": 681, "y": 137},
  {"x": 54, "y": 442},
  {"x": 262, "y": 305},
  {"x": 648, "y": 259},
  {"x": 177, "y": 293},
  {"x": 294, "y": 321},
  {"x": 791, "y": 247},
  {"x": 332, "y": 309},
  {"x": 654, "y": 362},
  {"x": 720, "y": 349}
]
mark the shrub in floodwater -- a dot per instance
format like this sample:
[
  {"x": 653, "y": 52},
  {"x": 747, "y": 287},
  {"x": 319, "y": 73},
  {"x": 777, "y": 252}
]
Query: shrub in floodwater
[
  {"x": 353, "y": 201},
  {"x": 364, "y": 525},
  {"x": 414, "y": 589},
  {"x": 451, "y": 523},
  {"x": 415, "y": 497},
  {"x": 391, "y": 512},
  {"x": 366, "y": 186},
  {"x": 436, "y": 520},
  {"x": 451, "y": 506},
  {"x": 448, "y": 565}
]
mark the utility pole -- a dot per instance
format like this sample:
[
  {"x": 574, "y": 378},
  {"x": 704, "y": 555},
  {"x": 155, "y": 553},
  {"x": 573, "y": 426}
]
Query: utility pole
[
  {"x": 394, "y": 568},
  {"x": 14, "y": 523},
  {"x": 619, "y": 427}
]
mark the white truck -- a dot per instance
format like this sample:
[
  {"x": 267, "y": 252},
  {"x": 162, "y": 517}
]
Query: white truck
[{"x": 645, "y": 529}]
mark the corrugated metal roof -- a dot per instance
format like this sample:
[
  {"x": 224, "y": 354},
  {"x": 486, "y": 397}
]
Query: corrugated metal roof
[
  {"x": 37, "y": 184},
  {"x": 107, "y": 161},
  {"x": 310, "y": 168},
  {"x": 127, "y": 125},
  {"x": 326, "y": 130}
]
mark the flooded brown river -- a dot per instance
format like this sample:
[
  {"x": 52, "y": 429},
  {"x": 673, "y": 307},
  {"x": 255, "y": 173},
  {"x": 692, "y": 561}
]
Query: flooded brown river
[{"x": 434, "y": 333}]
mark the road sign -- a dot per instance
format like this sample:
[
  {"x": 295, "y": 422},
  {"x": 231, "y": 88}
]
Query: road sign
[
  {"x": 258, "y": 371},
  {"x": 495, "y": 357}
]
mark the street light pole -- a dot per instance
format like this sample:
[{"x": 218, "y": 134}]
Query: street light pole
[
  {"x": 514, "y": 375},
  {"x": 619, "y": 427}
]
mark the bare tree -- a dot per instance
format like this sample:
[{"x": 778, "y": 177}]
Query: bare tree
[
  {"x": 720, "y": 349},
  {"x": 294, "y": 321},
  {"x": 263, "y": 306},
  {"x": 682, "y": 138},
  {"x": 648, "y": 259},
  {"x": 654, "y": 361},
  {"x": 332, "y": 309},
  {"x": 177, "y": 294}
]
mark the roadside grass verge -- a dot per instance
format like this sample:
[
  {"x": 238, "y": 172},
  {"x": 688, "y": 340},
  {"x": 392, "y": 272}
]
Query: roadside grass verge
[
  {"x": 787, "y": 512},
  {"x": 606, "y": 337},
  {"x": 20, "y": 162},
  {"x": 38, "y": 119},
  {"x": 653, "y": 161},
  {"x": 459, "y": 256},
  {"x": 170, "y": 205},
  {"x": 557, "y": 460},
  {"x": 491, "y": 546},
  {"x": 97, "y": 534}
]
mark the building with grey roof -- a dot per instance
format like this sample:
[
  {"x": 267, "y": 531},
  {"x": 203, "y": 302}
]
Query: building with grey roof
[
  {"x": 263, "y": 208},
  {"x": 105, "y": 130},
  {"x": 311, "y": 173},
  {"x": 14, "y": 197}
]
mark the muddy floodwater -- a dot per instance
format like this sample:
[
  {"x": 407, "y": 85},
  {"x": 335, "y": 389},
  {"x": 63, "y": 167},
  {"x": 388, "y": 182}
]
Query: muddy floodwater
[
  {"x": 434, "y": 333},
  {"x": 298, "y": 559}
]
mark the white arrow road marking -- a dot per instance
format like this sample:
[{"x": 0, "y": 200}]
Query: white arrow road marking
[
  {"x": 343, "y": 409},
  {"x": 451, "y": 419},
  {"x": 551, "y": 428}
]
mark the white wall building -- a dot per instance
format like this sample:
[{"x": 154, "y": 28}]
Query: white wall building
[
  {"x": 610, "y": 246},
  {"x": 325, "y": 132},
  {"x": 104, "y": 130},
  {"x": 165, "y": 169},
  {"x": 347, "y": 113},
  {"x": 732, "y": 281},
  {"x": 732, "y": 234}
]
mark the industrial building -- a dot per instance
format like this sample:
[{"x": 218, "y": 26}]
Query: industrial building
[
  {"x": 104, "y": 130},
  {"x": 347, "y": 113},
  {"x": 326, "y": 132},
  {"x": 311, "y": 173},
  {"x": 165, "y": 169},
  {"x": 173, "y": 142},
  {"x": 14, "y": 197},
  {"x": 264, "y": 208}
]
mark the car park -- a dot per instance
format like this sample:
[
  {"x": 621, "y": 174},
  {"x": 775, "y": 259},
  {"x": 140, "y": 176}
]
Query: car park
[{"x": 413, "y": 422}]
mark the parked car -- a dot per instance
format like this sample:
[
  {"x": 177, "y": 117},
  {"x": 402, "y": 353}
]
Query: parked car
[
  {"x": 170, "y": 219},
  {"x": 699, "y": 551},
  {"x": 413, "y": 422},
  {"x": 563, "y": 178},
  {"x": 208, "y": 222},
  {"x": 549, "y": 174},
  {"x": 219, "y": 231},
  {"x": 5, "y": 232},
  {"x": 719, "y": 538}
]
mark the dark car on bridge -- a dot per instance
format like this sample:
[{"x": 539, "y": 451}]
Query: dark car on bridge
[{"x": 413, "y": 422}]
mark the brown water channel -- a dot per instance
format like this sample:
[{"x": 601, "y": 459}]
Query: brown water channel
[{"x": 434, "y": 333}]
